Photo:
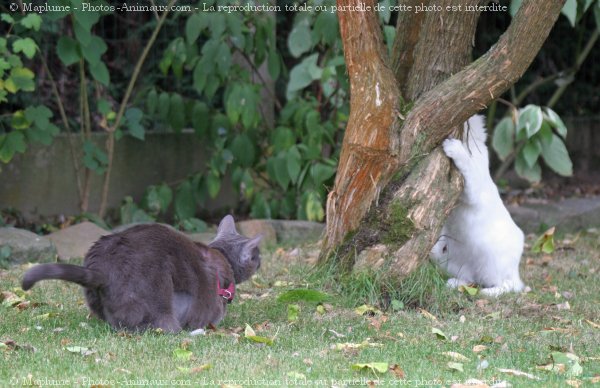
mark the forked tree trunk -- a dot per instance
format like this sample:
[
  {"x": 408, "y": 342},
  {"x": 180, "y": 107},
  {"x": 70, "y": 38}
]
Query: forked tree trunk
[{"x": 394, "y": 187}]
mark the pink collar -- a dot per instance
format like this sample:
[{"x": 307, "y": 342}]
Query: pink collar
[{"x": 227, "y": 293}]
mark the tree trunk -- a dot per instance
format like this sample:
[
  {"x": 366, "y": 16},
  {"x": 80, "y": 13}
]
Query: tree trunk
[{"x": 394, "y": 187}]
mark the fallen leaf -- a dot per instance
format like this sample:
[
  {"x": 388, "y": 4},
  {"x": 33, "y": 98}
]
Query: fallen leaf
[
  {"x": 336, "y": 334},
  {"x": 457, "y": 366},
  {"x": 468, "y": 290},
  {"x": 367, "y": 309},
  {"x": 182, "y": 354},
  {"x": 592, "y": 324},
  {"x": 377, "y": 321},
  {"x": 479, "y": 348},
  {"x": 200, "y": 368},
  {"x": 43, "y": 317},
  {"x": 470, "y": 383},
  {"x": 84, "y": 351},
  {"x": 296, "y": 376},
  {"x": 427, "y": 314},
  {"x": 439, "y": 334},
  {"x": 574, "y": 383},
  {"x": 545, "y": 243},
  {"x": 282, "y": 283},
  {"x": 381, "y": 367},
  {"x": 455, "y": 356},
  {"x": 320, "y": 309},
  {"x": 250, "y": 334},
  {"x": 397, "y": 371},
  {"x": 563, "y": 306},
  {"x": 10, "y": 299},
  {"x": 519, "y": 373},
  {"x": 350, "y": 345}
]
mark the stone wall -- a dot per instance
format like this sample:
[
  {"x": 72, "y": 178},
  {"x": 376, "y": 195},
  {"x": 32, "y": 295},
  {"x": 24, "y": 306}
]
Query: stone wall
[{"x": 42, "y": 182}]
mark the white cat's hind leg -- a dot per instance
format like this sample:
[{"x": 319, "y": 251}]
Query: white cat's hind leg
[{"x": 507, "y": 286}]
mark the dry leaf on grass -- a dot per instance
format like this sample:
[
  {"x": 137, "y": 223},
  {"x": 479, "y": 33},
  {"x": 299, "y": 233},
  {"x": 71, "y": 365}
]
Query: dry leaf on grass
[{"x": 515, "y": 372}]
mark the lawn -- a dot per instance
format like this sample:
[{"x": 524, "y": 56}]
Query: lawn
[{"x": 548, "y": 337}]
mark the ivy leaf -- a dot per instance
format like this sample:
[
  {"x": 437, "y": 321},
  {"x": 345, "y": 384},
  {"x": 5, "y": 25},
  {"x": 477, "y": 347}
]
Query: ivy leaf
[
  {"x": 100, "y": 73},
  {"x": 10, "y": 144},
  {"x": 93, "y": 50},
  {"x": 40, "y": 115},
  {"x": 165, "y": 196},
  {"x": 22, "y": 79},
  {"x": 31, "y": 21},
  {"x": 25, "y": 45},
  {"x": 7, "y": 18},
  {"x": 376, "y": 367},
  {"x": 68, "y": 50},
  {"x": 299, "y": 40}
]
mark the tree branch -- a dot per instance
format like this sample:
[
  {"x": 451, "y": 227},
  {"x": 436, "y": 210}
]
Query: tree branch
[{"x": 455, "y": 100}]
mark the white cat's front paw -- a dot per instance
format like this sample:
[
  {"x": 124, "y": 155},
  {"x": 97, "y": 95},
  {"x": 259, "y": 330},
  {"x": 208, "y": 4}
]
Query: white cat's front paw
[
  {"x": 455, "y": 283},
  {"x": 453, "y": 148}
]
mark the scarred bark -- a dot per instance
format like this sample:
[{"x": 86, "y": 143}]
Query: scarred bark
[{"x": 392, "y": 190}]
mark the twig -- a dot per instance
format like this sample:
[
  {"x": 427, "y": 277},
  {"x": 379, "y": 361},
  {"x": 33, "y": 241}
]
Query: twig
[
  {"x": 63, "y": 116},
  {"x": 111, "y": 131}
]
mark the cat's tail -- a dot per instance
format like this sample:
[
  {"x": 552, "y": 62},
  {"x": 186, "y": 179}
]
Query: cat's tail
[{"x": 72, "y": 273}]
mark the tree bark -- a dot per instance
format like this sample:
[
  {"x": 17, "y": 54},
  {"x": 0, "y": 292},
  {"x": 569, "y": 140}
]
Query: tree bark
[{"x": 393, "y": 189}]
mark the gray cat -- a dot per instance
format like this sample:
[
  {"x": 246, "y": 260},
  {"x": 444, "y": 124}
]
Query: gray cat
[{"x": 151, "y": 276}]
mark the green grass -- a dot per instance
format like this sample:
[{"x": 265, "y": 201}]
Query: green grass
[{"x": 518, "y": 331}]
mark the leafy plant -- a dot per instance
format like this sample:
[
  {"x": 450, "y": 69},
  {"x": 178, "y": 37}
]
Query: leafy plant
[
  {"x": 25, "y": 125},
  {"x": 531, "y": 133}
]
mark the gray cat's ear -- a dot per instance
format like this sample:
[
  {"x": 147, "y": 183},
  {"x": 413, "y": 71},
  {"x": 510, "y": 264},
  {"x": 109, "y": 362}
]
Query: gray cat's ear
[
  {"x": 226, "y": 226},
  {"x": 249, "y": 247},
  {"x": 254, "y": 242}
]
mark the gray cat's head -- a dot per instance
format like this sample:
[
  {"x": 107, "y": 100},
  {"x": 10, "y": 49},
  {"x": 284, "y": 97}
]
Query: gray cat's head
[{"x": 241, "y": 252}]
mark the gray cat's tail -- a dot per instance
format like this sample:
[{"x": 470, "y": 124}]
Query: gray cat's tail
[{"x": 72, "y": 273}]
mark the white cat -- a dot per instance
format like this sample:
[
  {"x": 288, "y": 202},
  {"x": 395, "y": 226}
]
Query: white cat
[{"x": 480, "y": 243}]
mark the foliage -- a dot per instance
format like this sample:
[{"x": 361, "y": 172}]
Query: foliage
[
  {"x": 24, "y": 125},
  {"x": 525, "y": 134},
  {"x": 531, "y": 133}
]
